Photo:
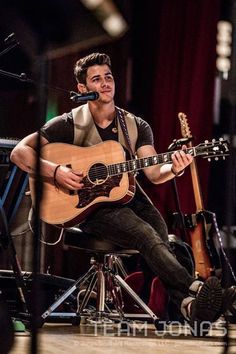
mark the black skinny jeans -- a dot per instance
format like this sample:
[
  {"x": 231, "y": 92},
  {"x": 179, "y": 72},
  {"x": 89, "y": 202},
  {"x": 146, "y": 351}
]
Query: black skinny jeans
[{"x": 139, "y": 225}]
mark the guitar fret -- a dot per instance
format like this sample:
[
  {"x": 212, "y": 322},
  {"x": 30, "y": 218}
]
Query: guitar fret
[
  {"x": 130, "y": 167},
  {"x": 192, "y": 151},
  {"x": 124, "y": 167},
  {"x": 134, "y": 165},
  {"x": 110, "y": 170},
  {"x": 146, "y": 162},
  {"x": 165, "y": 157},
  {"x": 155, "y": 160}
]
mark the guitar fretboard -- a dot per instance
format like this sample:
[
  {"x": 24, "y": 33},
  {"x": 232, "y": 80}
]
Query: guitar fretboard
[{"x": 141, "y": 163}]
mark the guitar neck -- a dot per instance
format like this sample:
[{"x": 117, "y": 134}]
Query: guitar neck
[
  {"x": 141, "y": 163},
  {"x": 196, "y": 186}
]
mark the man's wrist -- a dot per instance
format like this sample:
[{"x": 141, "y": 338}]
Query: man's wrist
[{"x": 177, "y": 174}]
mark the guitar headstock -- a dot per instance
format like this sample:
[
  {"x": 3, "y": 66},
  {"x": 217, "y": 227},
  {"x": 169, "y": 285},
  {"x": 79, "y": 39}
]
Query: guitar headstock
[
  {"x": 214, "y": 149},
  {"x": 185, "y": 130}
]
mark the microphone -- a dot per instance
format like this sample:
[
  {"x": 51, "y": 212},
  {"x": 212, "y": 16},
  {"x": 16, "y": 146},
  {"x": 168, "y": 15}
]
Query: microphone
[{"x": 86, "y": 96}]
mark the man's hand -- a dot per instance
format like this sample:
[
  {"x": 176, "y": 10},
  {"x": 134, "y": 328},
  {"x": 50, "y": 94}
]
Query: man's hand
[
  {"x": 68, "y": 178},
  {"x": 180, "y": 160}
]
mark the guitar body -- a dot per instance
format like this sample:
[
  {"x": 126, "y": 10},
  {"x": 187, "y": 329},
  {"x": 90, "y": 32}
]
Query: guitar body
[
  {"x": 66, "y": 208},
  {"x": 107, "y": 178},
  {"x": 206, "y": 257},
  {"x": 205, "y": 246},
  {"x": 198, "y": 236}
]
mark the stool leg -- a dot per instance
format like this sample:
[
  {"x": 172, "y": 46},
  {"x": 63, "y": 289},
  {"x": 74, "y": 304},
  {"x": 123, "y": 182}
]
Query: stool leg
[
  {"x": 115, "y": 292},
  {"x": 99, "y": 280},
  {"x": 100, "y": 290},
  {"x": 136, "y": 298},
  {"x": 88, "y": 292},
  {"x": 66, "y": 294},
  {"x": 115, "y": 262}
]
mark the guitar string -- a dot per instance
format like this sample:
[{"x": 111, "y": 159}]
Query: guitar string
[
  {"x": 129, "y": 166},
  {"x": 132, "y": 165}
]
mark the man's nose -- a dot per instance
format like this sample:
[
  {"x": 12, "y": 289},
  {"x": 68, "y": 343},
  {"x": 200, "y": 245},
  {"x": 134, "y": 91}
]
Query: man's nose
[{"x": 104, "y": 82}]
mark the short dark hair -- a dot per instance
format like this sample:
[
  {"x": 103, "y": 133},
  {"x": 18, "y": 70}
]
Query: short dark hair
[{"x": 82, "y": 65}]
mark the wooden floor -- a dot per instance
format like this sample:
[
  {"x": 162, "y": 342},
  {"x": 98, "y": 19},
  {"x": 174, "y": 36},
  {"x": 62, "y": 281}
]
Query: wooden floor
[{"x": 140, "y": 338}]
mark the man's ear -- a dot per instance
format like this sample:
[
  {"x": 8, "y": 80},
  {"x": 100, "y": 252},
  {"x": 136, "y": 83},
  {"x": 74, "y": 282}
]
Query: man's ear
[{"x": 81, "y": 88}]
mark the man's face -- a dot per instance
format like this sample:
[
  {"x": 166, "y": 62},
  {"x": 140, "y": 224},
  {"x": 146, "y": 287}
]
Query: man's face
[{"x": 100, "y": 79}]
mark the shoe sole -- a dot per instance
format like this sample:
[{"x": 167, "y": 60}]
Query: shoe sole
[{"x": 208, "y": 305}]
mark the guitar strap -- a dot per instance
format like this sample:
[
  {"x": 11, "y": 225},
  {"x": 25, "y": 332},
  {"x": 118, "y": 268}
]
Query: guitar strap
[
  {"x": 121, "y": 119},
  {"x": 123, "y": 125}
]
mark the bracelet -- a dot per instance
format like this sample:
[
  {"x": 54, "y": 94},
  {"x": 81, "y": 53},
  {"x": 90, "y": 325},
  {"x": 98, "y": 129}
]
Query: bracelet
[
  {"x": 177, "y": 174},
  {"x": 54, "y": 176}
]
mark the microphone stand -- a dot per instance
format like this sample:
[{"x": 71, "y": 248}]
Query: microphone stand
[
  {"x": 23, "y": 77},
  {"x": 11, "y": 46},
  {"x": 74, "y": 96}
]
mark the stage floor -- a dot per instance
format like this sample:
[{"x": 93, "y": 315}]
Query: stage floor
[{"x": 139, "y": 338}]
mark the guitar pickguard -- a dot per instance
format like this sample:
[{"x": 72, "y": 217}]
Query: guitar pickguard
[{"x": 92, "y": 191}]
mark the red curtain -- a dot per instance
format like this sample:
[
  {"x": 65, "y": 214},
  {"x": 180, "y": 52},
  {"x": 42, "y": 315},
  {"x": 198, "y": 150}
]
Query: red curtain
[{"x": 177, "y": 70}]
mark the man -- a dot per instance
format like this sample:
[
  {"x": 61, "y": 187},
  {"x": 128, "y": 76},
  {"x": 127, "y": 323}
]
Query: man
[{"x": 137, "y": 224}]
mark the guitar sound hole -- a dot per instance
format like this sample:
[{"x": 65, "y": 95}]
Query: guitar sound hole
[{"x": 98, "y": 173}]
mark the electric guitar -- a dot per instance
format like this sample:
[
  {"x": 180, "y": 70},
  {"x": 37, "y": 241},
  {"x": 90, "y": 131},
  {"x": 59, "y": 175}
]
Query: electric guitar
[
  {"x": 108, "y": 178},
  {"x": 202, "y": 225}
]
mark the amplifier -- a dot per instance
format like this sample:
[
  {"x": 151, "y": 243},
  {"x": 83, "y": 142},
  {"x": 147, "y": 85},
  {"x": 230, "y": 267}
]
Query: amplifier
[{"x": 50, "y": 288}]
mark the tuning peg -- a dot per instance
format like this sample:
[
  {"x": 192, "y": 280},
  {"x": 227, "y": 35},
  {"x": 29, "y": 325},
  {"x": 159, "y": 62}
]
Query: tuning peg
[
  {"x": 213, "y": 140},
  {"x": 206, "y": 141},
  {"x": 216, "y": 158},
  {"x": 209, "y": 159}
]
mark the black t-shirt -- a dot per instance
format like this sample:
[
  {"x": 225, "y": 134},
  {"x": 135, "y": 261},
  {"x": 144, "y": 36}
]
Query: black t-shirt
[{"x": 61, "y": 129}]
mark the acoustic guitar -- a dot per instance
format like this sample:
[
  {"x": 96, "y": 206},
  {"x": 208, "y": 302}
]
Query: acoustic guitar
[
  {"x": 108, "y": 177},
  {"x": 202, "y": 225}
]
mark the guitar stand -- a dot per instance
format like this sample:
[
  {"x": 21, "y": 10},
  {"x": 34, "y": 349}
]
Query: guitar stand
[{"x": 103, "y": 281}]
